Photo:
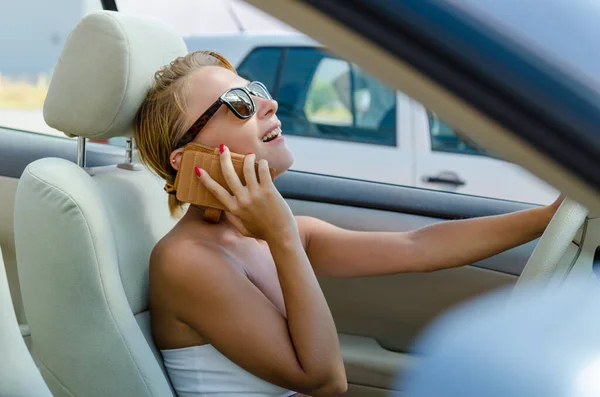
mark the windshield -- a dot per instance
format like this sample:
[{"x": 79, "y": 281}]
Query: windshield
[{"x": 565, "y": 33}]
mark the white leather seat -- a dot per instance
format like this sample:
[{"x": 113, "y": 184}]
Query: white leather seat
[
  {"x": 83, "y": 242},
  {"x": 19, "y": 377}
]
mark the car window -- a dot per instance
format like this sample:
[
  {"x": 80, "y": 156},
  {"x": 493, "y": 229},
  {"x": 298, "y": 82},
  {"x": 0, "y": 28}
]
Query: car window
[
  {"x": 375, "y": 102},
  {"x": 328, "y": 98},
  {"x": 262, "y": 65},
  {"x": 445, "y": 139},
  {"x": 31, "y": 41},
  {"x": 323, "y": 96}
]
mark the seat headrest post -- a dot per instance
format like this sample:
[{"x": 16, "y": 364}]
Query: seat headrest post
[
  {"x": 82, "y": 155},
  {"x": 129, "y": 164},
  {"x": 81, "y": 141},
  {"x": 129, "y": 150}
]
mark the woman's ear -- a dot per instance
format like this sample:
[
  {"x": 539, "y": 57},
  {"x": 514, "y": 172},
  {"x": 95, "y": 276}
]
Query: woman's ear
[{"x": 175, "y": 158}]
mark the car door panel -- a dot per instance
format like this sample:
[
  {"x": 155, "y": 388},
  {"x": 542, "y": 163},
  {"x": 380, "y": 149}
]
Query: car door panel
[
  {"x": 369, "y": 365},
  {"x": 379, "y": 317},
  {"x": 362, "y": 391}
]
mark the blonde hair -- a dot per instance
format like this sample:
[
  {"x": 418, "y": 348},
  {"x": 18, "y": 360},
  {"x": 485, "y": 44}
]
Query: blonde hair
[{"x": 161, "y": 121}]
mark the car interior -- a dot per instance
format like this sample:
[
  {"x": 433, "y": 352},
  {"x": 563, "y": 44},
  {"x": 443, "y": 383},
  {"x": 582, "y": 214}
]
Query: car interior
[
  {"x": 29, "y": 381},
  {"x": 78, "y": 220}
]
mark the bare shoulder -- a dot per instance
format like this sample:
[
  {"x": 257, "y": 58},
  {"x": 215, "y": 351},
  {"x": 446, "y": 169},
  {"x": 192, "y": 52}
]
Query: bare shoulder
[
  {"x": 176, "y": 258},
  {"x": 181, "y": 265}
]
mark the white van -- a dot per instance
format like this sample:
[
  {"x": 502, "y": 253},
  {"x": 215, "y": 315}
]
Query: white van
[{"x": 330, "y": 109}]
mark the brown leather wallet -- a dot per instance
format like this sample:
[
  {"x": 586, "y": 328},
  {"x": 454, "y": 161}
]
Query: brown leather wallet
[{"x": 188, "y": 187}]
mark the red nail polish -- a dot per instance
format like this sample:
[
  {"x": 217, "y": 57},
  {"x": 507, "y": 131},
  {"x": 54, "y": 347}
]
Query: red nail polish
[
  {"x": 222, "y": 148},
  {"x": 197, "y": 171},
  {"x": 250, "y": 153}
]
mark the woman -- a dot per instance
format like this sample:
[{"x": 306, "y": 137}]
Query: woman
[{"x": 236, "y": 307}]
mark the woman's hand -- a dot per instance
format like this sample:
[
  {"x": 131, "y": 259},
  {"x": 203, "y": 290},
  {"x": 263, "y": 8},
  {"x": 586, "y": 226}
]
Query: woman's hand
[
  {"x": 548, "y": 211},
  {"x": 554, "y": 206},
  {"x": 257, "y": 209}
]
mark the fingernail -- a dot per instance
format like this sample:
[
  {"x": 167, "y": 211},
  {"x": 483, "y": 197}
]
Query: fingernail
[
  {"x": 222, "y": 148},
  {"x": 197, "y": 171},
  {"x": 250, "y": 153}
]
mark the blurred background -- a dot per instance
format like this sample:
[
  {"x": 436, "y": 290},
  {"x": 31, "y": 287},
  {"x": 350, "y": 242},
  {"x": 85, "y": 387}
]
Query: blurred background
[
  {"x": 33, "y": 32},
  {"x": 331, "y": 110}
]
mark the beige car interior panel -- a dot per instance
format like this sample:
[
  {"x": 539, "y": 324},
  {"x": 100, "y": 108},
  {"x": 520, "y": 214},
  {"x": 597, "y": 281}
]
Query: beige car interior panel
[
  {"x": 394, "y": 309},
  {"x": 402, "y": 76},
  {"x": 367, "y": 391},
  {"x": 19, "y": 376},
  {"x": 369, "y": 364},
  {"x": 8, "y": 188}
]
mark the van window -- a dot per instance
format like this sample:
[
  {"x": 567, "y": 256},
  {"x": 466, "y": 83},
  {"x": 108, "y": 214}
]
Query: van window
[
  {"x": 331, "y": 98},
  {"x": 262, "y": 65},
  {"x": 328, "y": 99},
  {"x": 445, "y": 139},
  {"x": 323, "y": 96}
]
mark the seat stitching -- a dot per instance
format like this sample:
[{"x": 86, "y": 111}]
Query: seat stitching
[{"x": 41, "y": 363}]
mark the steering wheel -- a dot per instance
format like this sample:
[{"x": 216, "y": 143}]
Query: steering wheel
[{"x": 553, "y": 244}]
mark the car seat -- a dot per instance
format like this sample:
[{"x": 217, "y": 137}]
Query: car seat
[
  {"x": 83, "y": 237},
  {"x": 19, "y": 377}
]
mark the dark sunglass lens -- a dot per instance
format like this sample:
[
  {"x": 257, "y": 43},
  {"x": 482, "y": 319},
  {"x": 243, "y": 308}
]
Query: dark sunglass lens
[
  {"x": 259, "y": 90},
  {"x": 240, "y": 101}
]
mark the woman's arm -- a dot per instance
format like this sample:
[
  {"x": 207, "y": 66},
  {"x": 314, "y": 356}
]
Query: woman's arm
[
  {"x": 216, "y": 299},
  {"x": 301, "y": 352},
  {"x": 335, "y": 252}
]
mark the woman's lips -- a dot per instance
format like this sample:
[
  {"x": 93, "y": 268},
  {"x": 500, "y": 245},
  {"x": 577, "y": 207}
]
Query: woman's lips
[
  {"x": 272, "y": 135},
  {"x": 280, "y": 138}
]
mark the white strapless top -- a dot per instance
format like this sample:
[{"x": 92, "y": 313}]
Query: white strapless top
[{"x": 203, "y": 371}]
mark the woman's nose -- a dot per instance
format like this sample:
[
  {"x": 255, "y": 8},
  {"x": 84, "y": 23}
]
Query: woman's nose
[{"x": 267, "y": 107}]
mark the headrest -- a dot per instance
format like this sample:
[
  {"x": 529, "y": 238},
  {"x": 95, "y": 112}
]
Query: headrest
[{"x": 104, "y": 72}]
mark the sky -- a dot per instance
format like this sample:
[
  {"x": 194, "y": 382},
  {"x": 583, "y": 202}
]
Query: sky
[
  {"x": 33, "y": 32},
  {"x": 200, "y": 17}
]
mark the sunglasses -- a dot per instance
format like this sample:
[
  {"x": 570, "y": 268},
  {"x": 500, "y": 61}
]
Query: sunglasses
[{"x": 238, "y": 100}]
